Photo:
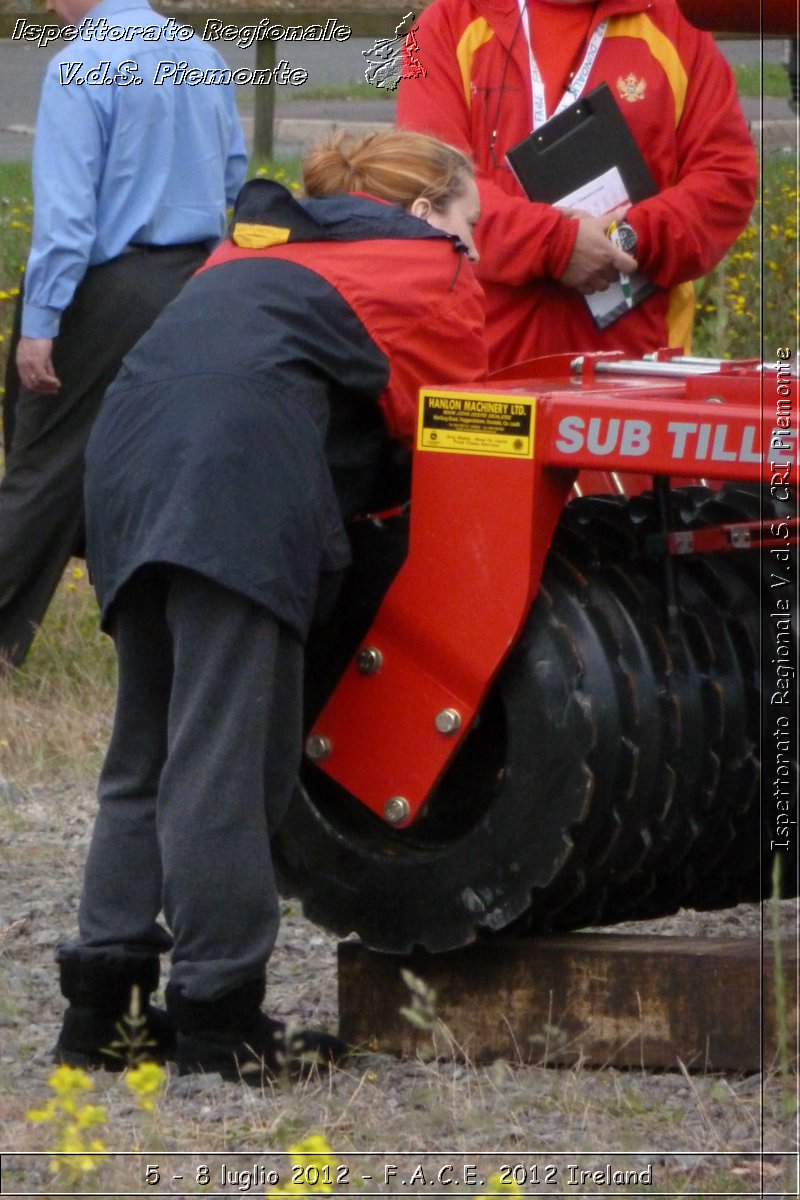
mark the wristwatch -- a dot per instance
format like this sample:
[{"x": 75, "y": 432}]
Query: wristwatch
[{"x": 626, "y": 237}]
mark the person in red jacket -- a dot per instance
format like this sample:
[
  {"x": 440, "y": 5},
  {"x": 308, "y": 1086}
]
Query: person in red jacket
[
  {"x": 496, "y": 69},
  {"x": 258, "y": 413}
]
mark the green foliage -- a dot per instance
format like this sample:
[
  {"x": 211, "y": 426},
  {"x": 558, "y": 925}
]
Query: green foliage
[
  {"x": 132, "y": 1046},
  {"x": 422, "y": 1010},
  {"x": 16, "y": 215},
  {"x": 748, "y": 305},
  {"x": 421, "y": 1013}
]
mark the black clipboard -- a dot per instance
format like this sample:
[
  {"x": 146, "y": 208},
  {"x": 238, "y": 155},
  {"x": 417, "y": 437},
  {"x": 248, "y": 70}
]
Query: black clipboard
[
  {"x": 570, "y": 150},
  {"x": 577, "y": 145}
]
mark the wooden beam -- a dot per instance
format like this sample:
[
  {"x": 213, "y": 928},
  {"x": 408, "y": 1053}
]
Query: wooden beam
[
  {"x": 264, "y": 114},
  {"x": 601, "y": 999}
]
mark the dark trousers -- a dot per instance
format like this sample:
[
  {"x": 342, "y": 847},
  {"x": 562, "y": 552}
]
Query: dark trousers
[
  {"x": 12, "y": 384},
  {"x": 202, "y": 760},
  {"x": 41, "y": 493}
]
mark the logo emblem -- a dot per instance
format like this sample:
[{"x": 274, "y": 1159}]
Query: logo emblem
[
  {"x": 630, "y": 88},
  {"x": 395, "y": 58}
]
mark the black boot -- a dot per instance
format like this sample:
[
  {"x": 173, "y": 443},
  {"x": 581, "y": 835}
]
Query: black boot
[
  {"x": 232, "y": 1037},
  {"x": 106, "y": 1025}
]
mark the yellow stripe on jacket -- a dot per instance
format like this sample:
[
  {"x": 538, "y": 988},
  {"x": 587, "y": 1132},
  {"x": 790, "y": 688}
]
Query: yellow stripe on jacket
[{"x": 477, "y": 34}]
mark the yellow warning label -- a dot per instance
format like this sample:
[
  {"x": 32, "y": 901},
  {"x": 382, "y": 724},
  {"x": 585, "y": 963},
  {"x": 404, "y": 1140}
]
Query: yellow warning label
[{"x": 476, "y": 423}]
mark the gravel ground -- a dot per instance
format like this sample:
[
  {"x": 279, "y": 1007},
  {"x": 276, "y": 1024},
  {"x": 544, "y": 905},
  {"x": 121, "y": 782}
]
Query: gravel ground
[{"x": 699, "y": 1134}]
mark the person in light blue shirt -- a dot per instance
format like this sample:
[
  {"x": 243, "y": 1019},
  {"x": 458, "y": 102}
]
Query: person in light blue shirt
[{"x": 132, "y": 175}]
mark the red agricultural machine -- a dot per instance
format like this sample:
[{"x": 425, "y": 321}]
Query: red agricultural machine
[
  {"x": 543, "y": 712},
  {"x": 558, "y": 689}
]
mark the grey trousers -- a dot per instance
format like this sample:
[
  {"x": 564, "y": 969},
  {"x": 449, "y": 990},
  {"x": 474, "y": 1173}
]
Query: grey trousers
[
  {"x": 41, "y": 493},
  {"x": 202, "y": 760}
]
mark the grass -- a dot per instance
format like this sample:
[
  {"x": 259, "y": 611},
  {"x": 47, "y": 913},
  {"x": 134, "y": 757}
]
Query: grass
[
  {"x": 761, "y": 79},
  {"x": 521, "y": 1114},
  {"x": 56, "y": 709},
  {"x": 341, "y": 91},
  {"x": 16, "y": 212}
]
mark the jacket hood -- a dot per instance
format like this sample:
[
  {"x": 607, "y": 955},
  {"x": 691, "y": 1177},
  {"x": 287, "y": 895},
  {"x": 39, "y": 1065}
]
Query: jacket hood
[{"x": 267, "y": 214}]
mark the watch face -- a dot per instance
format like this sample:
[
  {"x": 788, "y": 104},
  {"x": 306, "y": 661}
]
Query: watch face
[{"x": 626, "y": 235}]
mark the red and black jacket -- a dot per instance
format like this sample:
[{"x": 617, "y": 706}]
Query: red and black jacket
[{"x": 261, "y": 406}]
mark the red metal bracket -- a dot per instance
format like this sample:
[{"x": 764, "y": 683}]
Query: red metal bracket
[
  {"x": 452, "y": 613},
  {"x": 747, "y": 535}
]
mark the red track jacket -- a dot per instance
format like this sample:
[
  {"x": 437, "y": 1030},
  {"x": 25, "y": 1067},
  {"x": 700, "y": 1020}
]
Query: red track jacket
[{"x": 687, "y": 121}]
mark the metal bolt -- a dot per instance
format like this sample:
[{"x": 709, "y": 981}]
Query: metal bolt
[
  {"x": 369, "y": 660},
  {"x": 318, "y": 746},
  {"x": 396, "y": 810},
  {"x": 448, "y": 720}
]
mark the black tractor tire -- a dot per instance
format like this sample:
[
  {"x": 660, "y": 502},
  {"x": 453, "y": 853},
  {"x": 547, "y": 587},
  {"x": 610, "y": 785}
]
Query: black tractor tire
[
  {"x": 612, "y": 773},
  {"x": 725, "y": 620},
  {"x": 731, "y": 860},
  {"x": 736, "y": 576},
  {"x": 469, "y": 863}
]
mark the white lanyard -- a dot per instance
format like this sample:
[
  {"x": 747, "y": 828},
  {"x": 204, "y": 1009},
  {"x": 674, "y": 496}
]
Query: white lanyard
[{"x": 576, "y": 84}]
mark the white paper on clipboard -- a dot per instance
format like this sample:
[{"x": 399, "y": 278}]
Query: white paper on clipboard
[{"x": 597, "y": 197}]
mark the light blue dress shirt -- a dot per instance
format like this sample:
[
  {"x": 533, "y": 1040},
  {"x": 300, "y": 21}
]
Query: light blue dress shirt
[{"x": 122, "y": 162}]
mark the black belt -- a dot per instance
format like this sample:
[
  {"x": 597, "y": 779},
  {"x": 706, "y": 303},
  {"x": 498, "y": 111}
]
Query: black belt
[{"x": 150, "y": 248}]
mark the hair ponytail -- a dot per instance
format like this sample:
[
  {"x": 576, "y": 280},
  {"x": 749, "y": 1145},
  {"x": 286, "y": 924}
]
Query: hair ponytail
[{"x": 397, "y": 165}]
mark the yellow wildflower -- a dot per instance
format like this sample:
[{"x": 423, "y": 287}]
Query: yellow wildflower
[{"x": 147, "y": 1083}]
